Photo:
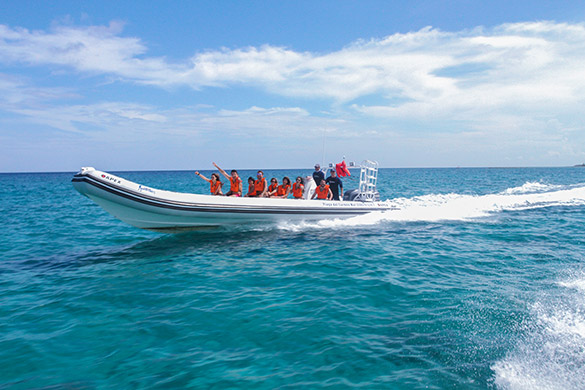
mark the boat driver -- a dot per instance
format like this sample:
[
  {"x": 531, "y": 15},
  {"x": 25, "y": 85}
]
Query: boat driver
[{"x": 318, "y": 175}]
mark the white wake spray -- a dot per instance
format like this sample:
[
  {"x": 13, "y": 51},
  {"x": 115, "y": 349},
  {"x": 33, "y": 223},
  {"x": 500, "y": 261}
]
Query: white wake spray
[
  {"x": 458, "y": 207},
  {"x": 551, "y": 354}
]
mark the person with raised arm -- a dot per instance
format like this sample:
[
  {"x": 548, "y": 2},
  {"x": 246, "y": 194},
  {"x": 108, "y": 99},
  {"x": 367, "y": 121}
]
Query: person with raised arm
[
  {"x": 214, "y": 183},
  {"x": 235, "y": 181}
]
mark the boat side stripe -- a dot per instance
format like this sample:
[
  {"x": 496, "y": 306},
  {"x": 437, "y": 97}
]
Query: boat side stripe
[{"x": 185, "y": 206}]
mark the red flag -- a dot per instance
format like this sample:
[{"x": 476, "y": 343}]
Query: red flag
[{"x": 342, "y": 170}]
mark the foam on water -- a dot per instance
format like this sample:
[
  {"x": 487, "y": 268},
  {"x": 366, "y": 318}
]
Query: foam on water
[
  {"x": 499, "y": 303},
  {"x": 578, "y": 284},
  {"x": 531, "y": 187},
  {"x": 460, "y": 207},
  {"x": 550, "y": 355}
]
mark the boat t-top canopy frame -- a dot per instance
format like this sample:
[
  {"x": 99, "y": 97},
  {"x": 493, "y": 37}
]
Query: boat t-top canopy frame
[{"x": 368, "y": 181}]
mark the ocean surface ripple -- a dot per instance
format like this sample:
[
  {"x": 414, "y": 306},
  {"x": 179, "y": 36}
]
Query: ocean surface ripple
[{"x": 477, "y": 281}]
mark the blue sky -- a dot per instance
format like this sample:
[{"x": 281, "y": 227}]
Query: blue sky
[{"x": 265, "y": 84}]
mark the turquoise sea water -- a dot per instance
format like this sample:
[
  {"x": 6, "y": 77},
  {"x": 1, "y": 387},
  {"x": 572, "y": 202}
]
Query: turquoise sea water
[{"x": 476, "y": 282}]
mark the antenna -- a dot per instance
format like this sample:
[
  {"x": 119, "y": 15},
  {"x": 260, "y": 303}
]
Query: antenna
[{"x": 323, "y": 155}]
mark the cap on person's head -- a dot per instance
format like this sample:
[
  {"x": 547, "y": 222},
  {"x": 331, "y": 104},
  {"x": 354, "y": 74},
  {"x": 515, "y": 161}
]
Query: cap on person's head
[
  {"x": 317, "y": 166},
  {"x": 333, "y": 170}
]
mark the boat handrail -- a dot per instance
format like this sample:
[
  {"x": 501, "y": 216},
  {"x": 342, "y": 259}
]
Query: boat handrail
[{"x": 368, "y": 181}]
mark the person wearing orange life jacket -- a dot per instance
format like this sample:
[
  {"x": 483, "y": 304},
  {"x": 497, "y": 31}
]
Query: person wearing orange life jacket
[
  {"x": 214, "y": 183},
  {"x": 284, "y": 189},
  {"x": 297, "y": 188},
  {"x": 260, "y": 186},
  {"x": 272, "y": 188},
  {"x": 235, "y": 182},
  {"x": 322, "y": 192},
  {"x": 251, "y": 191}
]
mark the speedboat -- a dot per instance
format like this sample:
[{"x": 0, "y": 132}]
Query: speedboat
[{"x": 167, "y": 211}]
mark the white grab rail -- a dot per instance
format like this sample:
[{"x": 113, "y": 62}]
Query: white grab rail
[{"x": 368, "y": 181}]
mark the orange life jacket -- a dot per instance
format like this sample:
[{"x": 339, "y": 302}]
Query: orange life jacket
[
  {"x": 298, "y": 190},
  {"x": 251, "y": 189},
  {"x": 213, "y": 188},
  {"x": 322, "y": 194},
  {"x": 282, "y": 189},
  {"x": 259, "y": 185},
  {"x": 272, "y": 187},
  {"x": 235, "y": 184}
]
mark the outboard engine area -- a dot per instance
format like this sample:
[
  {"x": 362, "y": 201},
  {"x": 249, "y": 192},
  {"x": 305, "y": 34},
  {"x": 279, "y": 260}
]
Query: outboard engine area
[
  {"x": 351, "y": 195},
  {"x": 366, "y": 192}
]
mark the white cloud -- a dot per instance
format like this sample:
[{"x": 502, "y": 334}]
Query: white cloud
[
  {"x": 93, "y": 49},
  {"x": 19, "y": 91},
  {"x": 504, "y": 83},
  {"x": 100, "y": 117},
  {"x": 403, "y": 65},
  {"x": 122, "y": 121}
]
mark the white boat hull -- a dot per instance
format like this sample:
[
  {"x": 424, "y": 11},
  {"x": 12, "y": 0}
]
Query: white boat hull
[{"x": 167, "y": 211}]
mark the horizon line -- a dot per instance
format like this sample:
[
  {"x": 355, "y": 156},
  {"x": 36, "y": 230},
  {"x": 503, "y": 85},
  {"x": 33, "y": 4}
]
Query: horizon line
[{"x": 275, "y": 169}]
